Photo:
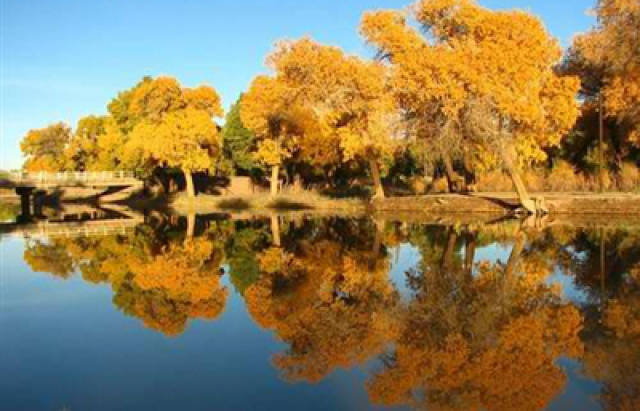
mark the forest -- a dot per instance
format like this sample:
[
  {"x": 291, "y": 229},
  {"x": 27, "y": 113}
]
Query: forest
[{"x": 454, "y": 98}]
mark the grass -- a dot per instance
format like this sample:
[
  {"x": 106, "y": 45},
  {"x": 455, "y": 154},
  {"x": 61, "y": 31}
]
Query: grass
[{"x": 304, "y": 200}]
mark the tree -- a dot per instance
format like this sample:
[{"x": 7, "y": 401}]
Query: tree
[
  {"x": 266, "y": 111},
  {"x": 83, "y": 150},
  {"x": 44, "y": 148},
  {"x": 479, "y": 79},
  {"x": 238, "y": 141},
  {"x": 607, "y": 58},
  {"x": 329, "y": 106},
  {"x": 173, "y": 126},
  {"x": 120, "y": 107},
  {"x": 185, "y": 139}
]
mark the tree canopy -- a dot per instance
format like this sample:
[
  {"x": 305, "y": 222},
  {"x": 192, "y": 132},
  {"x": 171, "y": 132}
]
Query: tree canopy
[
  {"x": 44, "y": 148},
  {"x": 321, "y": 104}
]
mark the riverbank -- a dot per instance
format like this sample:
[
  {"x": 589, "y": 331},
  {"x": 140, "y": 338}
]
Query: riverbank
[
  {"x": 494, "y": 204},
  {"x": 491, "y": 204},
  {"x": 505, "y": 203}
]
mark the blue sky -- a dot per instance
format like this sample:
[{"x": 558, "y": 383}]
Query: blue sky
[{"x": 61, "y": 60}]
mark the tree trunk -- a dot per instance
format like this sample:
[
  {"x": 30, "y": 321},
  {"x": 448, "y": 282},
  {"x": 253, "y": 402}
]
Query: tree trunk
[
  {"x": 377, "y": 181},
  {"x": 296, "y": 187},
  {"x": 454, "y": 179},
  {"x": 191, "y": 190},
  {"x": 470, "y": 175},
  {"x": 509, "y": 157},
  {"x": 275, "y": 172}
]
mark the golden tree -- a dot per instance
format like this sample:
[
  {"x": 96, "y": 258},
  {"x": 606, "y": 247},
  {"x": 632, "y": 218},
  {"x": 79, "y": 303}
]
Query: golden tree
[
  {"x": 44, "y": 148},
  {"x": 478, "y": 79},
  {"x": 175, "y": 127},
  {"x": 317, "y": 101},
  {"x": 609, "y": 57},
  {"x": 98, "y": 144}
]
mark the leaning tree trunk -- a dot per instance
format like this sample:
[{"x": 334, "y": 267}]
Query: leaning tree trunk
[
  {"x": 188, "y": 176},
  {"x": 377, "y": 181},
  {"x": 509, "y": 157},
  {"x": 275, "y": 172}
]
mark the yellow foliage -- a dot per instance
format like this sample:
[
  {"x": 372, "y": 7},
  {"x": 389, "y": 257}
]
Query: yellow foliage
[
  {"x": 185, "y": 138},
  {"x": 480, "y": 78},
  {"x": 44, "y": 148},
  {"x": 320, "y": 102}
]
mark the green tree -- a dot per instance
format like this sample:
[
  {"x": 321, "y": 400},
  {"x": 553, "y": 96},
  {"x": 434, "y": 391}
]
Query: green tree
[{"x": 239, "y": 142}]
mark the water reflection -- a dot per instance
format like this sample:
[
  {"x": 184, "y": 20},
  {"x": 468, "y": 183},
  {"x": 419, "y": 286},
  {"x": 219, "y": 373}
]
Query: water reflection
[{"x": 480, "y": 329}]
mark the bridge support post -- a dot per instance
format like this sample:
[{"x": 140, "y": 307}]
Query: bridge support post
[
  {"x": 38, "y": 201},
  {"x": 25, "y": 202}
]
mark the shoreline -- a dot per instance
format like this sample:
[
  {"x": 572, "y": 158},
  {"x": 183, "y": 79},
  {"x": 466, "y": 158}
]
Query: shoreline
[{"x": 490, "y": 204}]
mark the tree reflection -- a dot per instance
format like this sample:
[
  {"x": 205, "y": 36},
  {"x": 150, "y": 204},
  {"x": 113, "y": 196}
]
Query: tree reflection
[
  {"x": 472, "y": 333},
  {"x": 481, "y": 341},
  {"x": 156, "y": 276},
  {"x": 612, "y": 355},
  {"x": 326, "y": 293}
]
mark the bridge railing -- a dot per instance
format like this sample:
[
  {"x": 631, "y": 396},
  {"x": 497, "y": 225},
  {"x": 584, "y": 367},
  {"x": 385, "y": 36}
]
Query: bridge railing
[{"x": 70, "y": 176}]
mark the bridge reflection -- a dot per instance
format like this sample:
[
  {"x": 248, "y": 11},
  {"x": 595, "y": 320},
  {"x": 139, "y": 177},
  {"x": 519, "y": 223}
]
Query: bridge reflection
[{"x": 76, "y": 220}]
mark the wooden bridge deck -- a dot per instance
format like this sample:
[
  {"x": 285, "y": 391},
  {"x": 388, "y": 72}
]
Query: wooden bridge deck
[{"x": 47, "y": 180}]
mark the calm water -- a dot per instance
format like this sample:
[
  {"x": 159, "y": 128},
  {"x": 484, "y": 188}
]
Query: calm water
[{"x": 320, "y": 313}]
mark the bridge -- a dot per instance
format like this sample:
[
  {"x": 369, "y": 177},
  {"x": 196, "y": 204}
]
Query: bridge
[
  {"x": 30, "y": 185},
  {"x": 49, "y": 180}
]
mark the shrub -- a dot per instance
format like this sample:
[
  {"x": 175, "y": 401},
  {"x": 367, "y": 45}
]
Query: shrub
[
  {"x": 563, "y": 177},
  {"x": 440, "y": 185},
  {"x": 494, "y": 180},
  {"x": 418, "y": 184},
  {"x": 628, "y": 177}
]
